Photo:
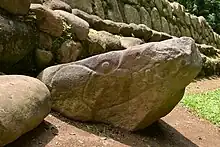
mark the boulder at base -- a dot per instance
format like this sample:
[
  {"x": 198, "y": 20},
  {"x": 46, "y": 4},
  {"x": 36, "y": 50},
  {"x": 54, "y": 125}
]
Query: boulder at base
[
  {"x": 18, "y": 7},
  {"x": 17, "y": 40},
  {"x": 129, "y": 88},
  {"x": 24, "y": 103}
]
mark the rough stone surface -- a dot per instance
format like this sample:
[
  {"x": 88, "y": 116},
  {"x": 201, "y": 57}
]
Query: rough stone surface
[
  {"x": 172, "y": 32},
  {"x": 141, "y": 31},
  {"x": 37, "y": 1},
  {"x": 100, "y": 42},
  {"x": 97, "y": 23},
  {"x": 129, "y": 88},
  {"x": 165, "y": 25},
  {"x": 43, "y": 58},
  {"x": 177, "y": 10},
  {"x": 47, "y": 20},
  {"x": 17, "y": 39},
  {"x": 125, "y": 29},
  {"x": 45, "y": 41},
  {"x": 58, "y": 5},
  {"x": 108, "y": 26},
  {"x": 202, "y": 22},
  {"x": 98, "y": 8},
  {"x": 19, "y": 7},
  {"x": 154, "y": 14},
  {"x": 207, "y": 50},
  {"x": 91, "y": 19},
  {"x": 24, "y": 103},
  {"x": 127, "y": 42},
  {"x": 79, "y": 26},
  {"x": 187, "y": 19},
  {"x": 131, "y": 14},
  {"x": 194, "y": 21},
  {"x": 135, "y": 2},
  {"x": 169, "y": 10},
  {"x": 177, "y": 31},
  {"x": 156, "y": 21},
  {"x": 165, "y": 22},
  {"x": 159, "y": 5},
  {"x": 158, "y": 36},
  {"x": 114, "y": 13},
  {"x": 85, "y": 5},
  {"x": 145, "y": 17},
  {"x": 69, "y": 51}
]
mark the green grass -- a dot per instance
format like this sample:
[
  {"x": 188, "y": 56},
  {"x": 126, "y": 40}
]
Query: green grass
[{"x": 206, "y": 105}]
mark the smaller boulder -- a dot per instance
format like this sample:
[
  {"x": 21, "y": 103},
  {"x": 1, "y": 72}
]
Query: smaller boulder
[
  {"x": 131, "y": 14},
  {"x": 84, "y": 5},
  {"x": 100, "y": 42},
  {"x": 24, "y": 103},
  {"x": 69, "y": 51},
  {"x": 159, "y": 36},
  {"x": 58, "y": 5},
  {"x": 17, "y": 40},
  {"x": 47, "y": 20},
  {"x": 43, "y": 58},
  {"x": 45, "y": 41},
  {"x": 37, "y": 1},
  {"x": 109, "y": 26},
  {"x": 141, "y": 31},
  {"x": 17, "y": 7},
  {"x": 125, "y": 29},
  {"x": 79, "y": 26},
  {"x": 127, "y": 42}
]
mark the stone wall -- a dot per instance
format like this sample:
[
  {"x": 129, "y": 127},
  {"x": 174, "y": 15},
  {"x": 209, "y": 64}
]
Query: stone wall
[
  {"x": 160, "y": 15},
  {"x": 62, "y": 34}
]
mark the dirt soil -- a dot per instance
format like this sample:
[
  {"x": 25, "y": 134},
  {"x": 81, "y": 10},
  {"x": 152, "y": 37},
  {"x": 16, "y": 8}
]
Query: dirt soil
[{"x": 180, "y": 128}]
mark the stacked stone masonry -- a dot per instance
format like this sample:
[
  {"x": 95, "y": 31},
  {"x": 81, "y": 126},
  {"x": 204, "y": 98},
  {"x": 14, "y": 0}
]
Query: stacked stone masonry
[
  {"x": 65, "y": 31},
  {"x": 210, "y": 54},
  {"x": 160, "y": 15}
]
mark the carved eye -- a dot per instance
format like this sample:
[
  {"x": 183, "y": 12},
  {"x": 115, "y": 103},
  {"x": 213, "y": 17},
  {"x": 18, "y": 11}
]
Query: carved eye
[{"x": 105, "y": 65}]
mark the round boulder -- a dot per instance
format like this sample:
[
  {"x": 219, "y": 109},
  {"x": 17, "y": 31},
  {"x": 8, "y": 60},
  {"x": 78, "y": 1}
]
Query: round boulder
[{"x": 24, "y": 103}]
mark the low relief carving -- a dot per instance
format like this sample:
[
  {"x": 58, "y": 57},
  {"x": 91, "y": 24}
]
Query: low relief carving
[{"x": 104, "y": 87}]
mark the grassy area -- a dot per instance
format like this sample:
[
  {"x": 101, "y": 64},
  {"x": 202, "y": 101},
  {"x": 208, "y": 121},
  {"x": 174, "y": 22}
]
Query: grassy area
[{"x": 206, "y": 105}]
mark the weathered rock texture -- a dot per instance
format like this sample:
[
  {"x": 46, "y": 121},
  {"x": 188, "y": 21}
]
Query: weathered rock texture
[
  {"x": 96, "y": 26},
  {"x": 24, "y": 102},
  {"x": 17, "y": 39},
  {"x": 18, "y": 7},
  {"x": 69, "y": 51},
  {"x": 210, "y": 54},
  {"x": 79, "y": 27},
  {"x": 132, "y": 30},
  {"x": 130, "y": 88},
  {"x": 161, "y": 15},
  {"x": 47, "y": 20},
  {"x": 57, "y": 5}
]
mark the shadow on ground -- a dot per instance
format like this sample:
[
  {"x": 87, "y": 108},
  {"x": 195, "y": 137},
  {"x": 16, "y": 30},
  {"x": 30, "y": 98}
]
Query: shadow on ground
[
  {"x": 159, "y": 134},
  {"x": 45, "y": 131}
]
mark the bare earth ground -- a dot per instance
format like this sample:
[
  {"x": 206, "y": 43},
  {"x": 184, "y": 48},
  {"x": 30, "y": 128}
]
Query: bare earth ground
[{"x": 178, "y": 129}]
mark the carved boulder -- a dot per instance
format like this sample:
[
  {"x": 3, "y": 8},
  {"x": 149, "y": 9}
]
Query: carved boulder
[{"x": 130, "y": 88}]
